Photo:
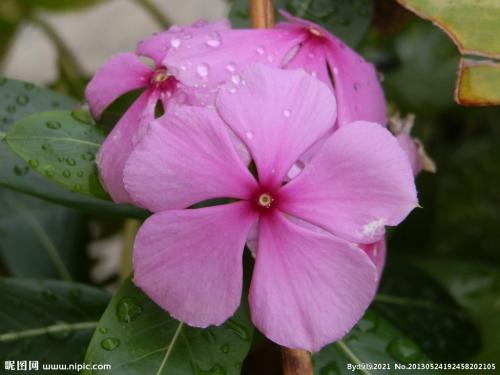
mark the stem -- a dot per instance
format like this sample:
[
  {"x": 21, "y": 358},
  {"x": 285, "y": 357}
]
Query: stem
[
  {"x": 155, "y": 13},
  {"x": 296, "y": 362},
  {"x": 261, "y": 14},
  {"x": 55, "y": 328},
  {"x": 129, "y": 232}
]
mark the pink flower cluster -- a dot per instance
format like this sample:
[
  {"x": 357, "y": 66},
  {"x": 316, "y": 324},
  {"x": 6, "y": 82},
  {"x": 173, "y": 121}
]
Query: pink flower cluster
[{"x": 309, "y": 114}]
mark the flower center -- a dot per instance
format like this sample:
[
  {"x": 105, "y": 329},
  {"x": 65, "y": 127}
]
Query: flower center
[
  {"x": 160, "y": 76},
  {"x": 265, "y": 200}
]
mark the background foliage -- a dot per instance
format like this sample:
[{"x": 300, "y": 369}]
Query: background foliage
[{"x": 439, "y": 300}]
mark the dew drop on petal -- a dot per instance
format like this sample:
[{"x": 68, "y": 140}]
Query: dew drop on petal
[
  {"x": 213, "y": 40},
  {"x": 236, "y": 79},
  {"x": 260, "y": 50},
  {"x": 249, "y": 134},
  {"x": 176, "y": 43},
  {"x": 286, "y": 113},
  {"x": 202, "y": 70},
  {"x": 231, "y": 67}
]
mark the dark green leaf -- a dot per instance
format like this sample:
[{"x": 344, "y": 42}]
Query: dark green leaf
[
  {"x": 62, "y": 147},
  {"x": 374, "y": 340},
  {"x": 40, "y": 239},
  {"x": 476, "y": 287},
  {"x": 60, "y": 5},
  {"x": 20, "y": 99},
  {"x": 48, "y": 321},
  {"x": 419, "y": 307},
  {"x": 137, "y": 337},
  {"x": 347, "y": 19}
]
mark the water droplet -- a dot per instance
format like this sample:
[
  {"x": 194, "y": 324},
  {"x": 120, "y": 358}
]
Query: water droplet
[
  {"x": 76, "y": 188},
  {"x": 33, "y": 163},
  {"x": 128, "y": 309},
  {"x": 88, "y": 156},
  {"x": 60, "y": 331},
  {"x": 232, "y": 90},
  {"x": 231, "y": 68},
  {"x": 176, "y": 43},
  {"x": 237, "y": 329},
  {"x": 186, "y": 36},
  {"x": 21, "y": 170},
  {"x": 6, "y": 120},
  {"x": 286, "y": 113},
  {"x": 356, "y": 86},
  {"x": 213, "y": 40},
  {"x": 110, "y": 343},
  {"x": 224, "y": 348},
  {"x": 237, "y": 366},
  {"x": 249, "y": 134},
  {"x": 53, "y": 125},
  {"x": 66, "y": 174},
  {"x": 70, "y": 161},
  {"x": 103, "y": 330},
  {"x": 11, "y": 108},
  {"x": 236, "y": 79},
  {"x": 22, "y": 99},
  {"x": 49, "y": 295},
  {"x": 49, "y": 172},
  {"x": 45, "y": 147},
  {"x": 202, "y": 70},
  {"x": 214, "y": 370},
  {"x": 260, "y": 50},
  {"x": 82, "y": 115},
  {"x": 29, "y": 86},
  {"x": 403, "y": 350},
  {"x": 80, "y": 173}
]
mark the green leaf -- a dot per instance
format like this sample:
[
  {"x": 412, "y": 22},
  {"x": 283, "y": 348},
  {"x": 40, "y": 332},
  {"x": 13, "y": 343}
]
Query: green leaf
[
  {"x": 136, "y": 336},
  {"x": 20, "y": 99},
  {"x": 62, "y": 147},
  {"x": 61, "y": 5},
  {"x": 476, "y": 287},
  {"x": 474, "y": 27},
  {"x": 347, "y": 19},
  {"x": 49, "y": 321},
  {"x": 419, "y": 307},
  {"x": 479, "y": 82},
  {"x": 374, "y": 340},
  {"x": 40, "y": 239}
]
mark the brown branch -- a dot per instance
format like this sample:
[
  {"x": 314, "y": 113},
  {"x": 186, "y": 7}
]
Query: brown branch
[
  {"x": 296, "y": 362},
  {"x": 261, "y": 14}
]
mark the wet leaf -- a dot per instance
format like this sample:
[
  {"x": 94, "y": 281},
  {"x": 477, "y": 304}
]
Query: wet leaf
[
  {"x": 48, "y": 321},
  {"x": 20, "y": 99},
  {"x": 136, "y": 336}
]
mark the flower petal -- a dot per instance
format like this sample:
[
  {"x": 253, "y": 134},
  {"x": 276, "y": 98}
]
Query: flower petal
[
  {"x": 157, "y": 46},
  {"x": 186, "y": 157},
  {"x": 357, "y": 87},
  {"x": 118, "y": 145},
  {"x": 377, "y": 252},
  {"x": 359, "y": 93},
  {"x": 121, "y": 74},
  {"x": 210, "y": 60},
  {"x": 278, "y": 114},
  {"x": 308, "y": 288},
  {"x": 190, "y": 261},
  {"x": 359, "y": 182}
]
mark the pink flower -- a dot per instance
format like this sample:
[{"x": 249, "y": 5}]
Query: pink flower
[
  {"x": 311, "y": 283},
  {"x": 125, "y": 72},
  {"x": 291, "y": 45}
]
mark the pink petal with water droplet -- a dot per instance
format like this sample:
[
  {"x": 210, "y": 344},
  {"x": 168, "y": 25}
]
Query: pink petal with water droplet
[
  {"x": 256, "y": 114},
  {"x": 359, "y": 182}
]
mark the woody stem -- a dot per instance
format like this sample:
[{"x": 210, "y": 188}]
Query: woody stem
[
  {"x": 261, "y": 13},
  {"x": 295, "y": 361}
]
